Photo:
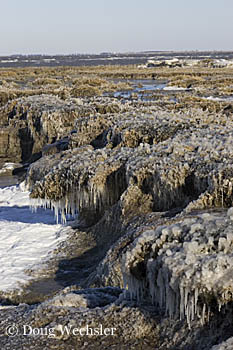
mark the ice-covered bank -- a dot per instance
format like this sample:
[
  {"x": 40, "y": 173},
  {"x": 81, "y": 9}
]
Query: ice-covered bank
[{"x": 26, "y": 238}]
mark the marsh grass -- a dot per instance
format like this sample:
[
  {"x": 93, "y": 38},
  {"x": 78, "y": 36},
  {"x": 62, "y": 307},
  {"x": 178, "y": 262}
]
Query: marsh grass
[
  {"x": 47, "y": 81},
  {"x": 84, "y": 81},
  {"x": 85, "y": 91}
]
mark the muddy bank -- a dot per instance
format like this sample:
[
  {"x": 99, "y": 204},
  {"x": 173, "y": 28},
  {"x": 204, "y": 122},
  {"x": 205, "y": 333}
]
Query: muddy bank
[{"x": 8, "y": 181}]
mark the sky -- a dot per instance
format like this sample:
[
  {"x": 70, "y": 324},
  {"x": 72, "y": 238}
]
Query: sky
[{"x": 94, "y": 26}]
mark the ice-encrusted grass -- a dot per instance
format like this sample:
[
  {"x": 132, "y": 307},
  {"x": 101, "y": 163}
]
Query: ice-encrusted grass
[{"x": 187, "y": 265}]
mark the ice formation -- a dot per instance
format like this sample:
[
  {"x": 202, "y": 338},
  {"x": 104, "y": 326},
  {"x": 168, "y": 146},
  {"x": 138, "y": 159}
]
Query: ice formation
[
  {"x": 158, "y": 162},
  {"x": 186, "y": 265},
  {"x": 226, "y": 345},
  {"x": 178, "y": 164},
  {"x": 29, "y": 123}
]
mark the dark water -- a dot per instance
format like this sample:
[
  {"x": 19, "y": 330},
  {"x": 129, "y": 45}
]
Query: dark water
[
  {"x": 142, "y": 87},
  {"x": 106, "y": 58}
]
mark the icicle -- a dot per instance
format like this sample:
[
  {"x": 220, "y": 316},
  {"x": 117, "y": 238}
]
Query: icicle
[
  {"x": 56, "y": 212},
  {"x": 198, "y": 311},
  {"x": 219, "y": 305},
  {"x": 192, "y": 308},
  {"x": 160, "y": 284},
  {"x": 208, "y": 313},
  {"x": 195, "y": 300},
  {"x": 186, "y": 294},
  {"x": 203, "y": 314},
  {"x": 188, "y": 315},
  {"x": 182, "y": 307},
  {"x": 152, "y": 281}
]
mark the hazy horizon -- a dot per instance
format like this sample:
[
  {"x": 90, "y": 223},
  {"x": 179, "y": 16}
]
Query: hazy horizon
[
  {"x": 91, "y": 27},
  {"x": 110, "y": 52}
]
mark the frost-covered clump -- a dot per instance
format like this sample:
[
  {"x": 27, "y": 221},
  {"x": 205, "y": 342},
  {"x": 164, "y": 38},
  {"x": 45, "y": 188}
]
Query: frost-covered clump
[
  {"x": 167, "y": 162},
  {"x": 226, "y": 345},
  {"x": 88, "y": 181},
  {"x": 126, "y": 129},
  {"x": 192, "y": 166},
  {"x": 184, "y": 266},
  {"x": 29, "y": 123}
]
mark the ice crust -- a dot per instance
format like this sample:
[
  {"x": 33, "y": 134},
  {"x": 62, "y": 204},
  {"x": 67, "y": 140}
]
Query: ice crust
[
  {"x": 191, "y": 165},
  {"x": 226, "y": 345},
  {"x": 187, "y": 264},
  {"x": 158, "y": 162}
]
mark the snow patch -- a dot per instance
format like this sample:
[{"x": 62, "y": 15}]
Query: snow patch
[
  {"x": 174, "y": 88},
  {"x": 27, "y": 238},
  {"x": 220, "y": 99}
]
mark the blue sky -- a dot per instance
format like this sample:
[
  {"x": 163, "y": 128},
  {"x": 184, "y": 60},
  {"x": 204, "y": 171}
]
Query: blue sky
[{"x": 93, "y": 26}]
